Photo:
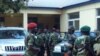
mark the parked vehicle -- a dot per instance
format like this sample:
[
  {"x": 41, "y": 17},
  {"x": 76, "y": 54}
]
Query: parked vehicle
[
  {"x": 79, "y": 34},
  {"x": 12, "y": 41}
]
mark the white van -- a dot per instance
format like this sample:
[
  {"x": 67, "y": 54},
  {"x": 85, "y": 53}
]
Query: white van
[{"x": 12, "y": 41}]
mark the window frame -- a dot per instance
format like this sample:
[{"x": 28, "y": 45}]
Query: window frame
[
  {"x": 69, "y": 15},
  {"x": 98, "y": 12},
  {"x": 73, "y": 22},
  {"x": 97, "y": 17}
]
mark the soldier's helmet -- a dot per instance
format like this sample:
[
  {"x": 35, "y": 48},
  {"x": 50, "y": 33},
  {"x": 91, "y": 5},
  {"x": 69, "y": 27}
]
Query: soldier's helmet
[{"x": 85, "y": 28}]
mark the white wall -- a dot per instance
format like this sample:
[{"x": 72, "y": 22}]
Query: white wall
[
  {"x": 87, "y": 14},
  {"x": 81, "y": 8},
  {"x": 88, "y": 17}
]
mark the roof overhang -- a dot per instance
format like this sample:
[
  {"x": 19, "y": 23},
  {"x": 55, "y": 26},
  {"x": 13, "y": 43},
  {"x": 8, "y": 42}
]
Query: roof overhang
[{"x": 82, "y": 4}]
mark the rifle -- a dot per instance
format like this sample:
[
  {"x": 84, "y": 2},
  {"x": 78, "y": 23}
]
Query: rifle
[{"x": 89, "y": 47}]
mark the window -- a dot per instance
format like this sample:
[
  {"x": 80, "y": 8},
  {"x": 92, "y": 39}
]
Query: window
[
  {"x": 98, "y": 12},
  {"x": 98, "y": 19},
  {"x": 70, "y": 23},
  {"x": 73, "y": 15},
  {"x": 98, "y": 23},
  {"x": 12, "y": 34},
  {"x": 76, "y": 24},
  {"x": 74, "y": 20}
]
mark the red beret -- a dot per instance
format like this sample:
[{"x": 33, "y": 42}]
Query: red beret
[{"x": 32, "y": 25}]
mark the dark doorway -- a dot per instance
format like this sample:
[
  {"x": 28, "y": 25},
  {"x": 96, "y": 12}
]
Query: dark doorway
[
  {"x": 32, "y": 19},
  {"x": 2, "y": 19},
  {"x": 57, "y": 22}
]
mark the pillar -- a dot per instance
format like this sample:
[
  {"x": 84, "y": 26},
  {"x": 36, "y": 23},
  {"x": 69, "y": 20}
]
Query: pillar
[
  {"x": 64, "y": 23},
  {"x": 25, "y": 20}
]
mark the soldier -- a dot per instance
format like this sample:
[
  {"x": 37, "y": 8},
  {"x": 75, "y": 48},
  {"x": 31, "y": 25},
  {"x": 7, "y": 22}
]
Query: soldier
[
  {"x": 32, "y": 42},
  {"x": 97, "y": 33},
  {"x": 59, "y": 35},
  {"x": 53, "y": 40},
  {"x": 97, "y": 43},
  {"x": 41, "y": 36},
  {"x": 70, "y": 37},
  {"x": 84, "y": 43},
  {"x": 47, "y": 41}
]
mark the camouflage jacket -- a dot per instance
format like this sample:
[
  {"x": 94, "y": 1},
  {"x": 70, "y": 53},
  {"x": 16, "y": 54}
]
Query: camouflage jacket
[
  {"x": 54, "y": 38},
  {"x": 34, "y": 41},
  {"x": 84, "y": 45},
  {"x": 41, "y": 39},
  {"x": 70, "y": 38}
]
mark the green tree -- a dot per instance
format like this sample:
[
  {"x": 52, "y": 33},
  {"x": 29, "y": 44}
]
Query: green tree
[{"x": 11, "y": 5}]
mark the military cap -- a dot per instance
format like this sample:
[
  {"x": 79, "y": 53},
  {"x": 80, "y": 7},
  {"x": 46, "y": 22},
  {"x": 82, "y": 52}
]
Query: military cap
[
  {"x": 32, "y": 25},
  {"x": 85, "y": 28}
]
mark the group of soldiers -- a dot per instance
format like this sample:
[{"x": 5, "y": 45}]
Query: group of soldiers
[{"x": 41, "y": 40}]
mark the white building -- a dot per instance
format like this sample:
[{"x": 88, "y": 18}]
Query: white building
[{"x": 78, "y": 14}]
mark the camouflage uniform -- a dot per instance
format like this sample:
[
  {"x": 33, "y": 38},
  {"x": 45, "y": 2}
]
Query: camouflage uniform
[
  {"x": 70, "y": 38},
  {"x": 41, "y": 37},
  {"x": 54, "y": 38},
  {"x": 97, "y": 39},
  {"x": 32, "y": 41},
  {"x": 47, "y": 43},
  {"x": 97, "y": 44},
  {"x": 84, "y": 43},
  {"x": 79, "y": 44},
  {"x": 53, "y": 41}
]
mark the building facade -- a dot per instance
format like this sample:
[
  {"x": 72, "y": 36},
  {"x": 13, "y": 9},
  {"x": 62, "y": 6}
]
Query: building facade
[{"x": 86, "y": 13}]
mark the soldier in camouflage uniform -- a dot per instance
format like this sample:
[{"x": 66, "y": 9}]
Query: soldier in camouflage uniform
[
  {"x": 97, "y": 42},
  {"x": 54, "y": 38},
  {"x": 41, "y": 37},
  {"x": 47, "y": 41},
  {"x": 84, "y": 43},
  {"x": 97, "y": 33},
  {"x": 70, "y": 37},
  {"x": 32, "y": 44},
  {"x": 59, "y": 35}
]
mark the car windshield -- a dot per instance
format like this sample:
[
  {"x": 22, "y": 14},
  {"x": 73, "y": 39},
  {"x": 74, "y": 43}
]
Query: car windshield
[{"x": 12, "y": 34}]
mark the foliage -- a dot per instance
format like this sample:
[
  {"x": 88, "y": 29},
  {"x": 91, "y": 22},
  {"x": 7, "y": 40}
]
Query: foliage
[{"x": 11, "y": 5}]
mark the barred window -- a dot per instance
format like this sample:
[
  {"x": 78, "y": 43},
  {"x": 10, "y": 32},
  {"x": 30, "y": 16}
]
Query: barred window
[
  {"x": 73, "y": 15},
  {"x": 74, "y": 20}
]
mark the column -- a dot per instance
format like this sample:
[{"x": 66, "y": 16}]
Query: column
[
  {"x": 25, "y": 20},
  {"x": 64, "y": 23}
]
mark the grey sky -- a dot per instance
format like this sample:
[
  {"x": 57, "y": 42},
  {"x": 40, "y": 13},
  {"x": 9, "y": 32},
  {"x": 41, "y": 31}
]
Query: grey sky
[{"x": 53, "y": 3}]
